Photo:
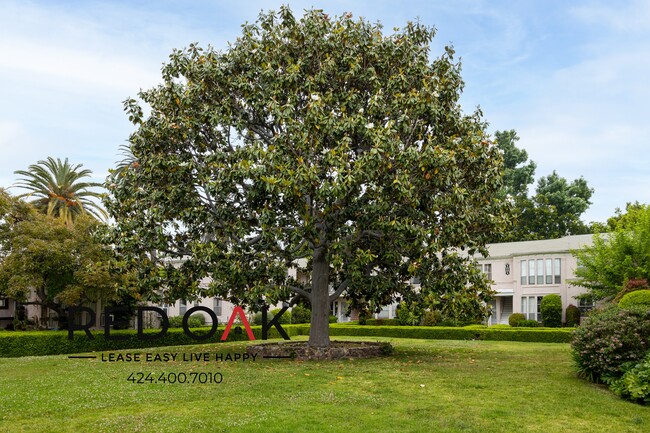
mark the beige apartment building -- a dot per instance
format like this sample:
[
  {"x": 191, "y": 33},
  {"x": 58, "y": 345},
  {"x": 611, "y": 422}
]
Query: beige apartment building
[{"x": 524, "y": 272}]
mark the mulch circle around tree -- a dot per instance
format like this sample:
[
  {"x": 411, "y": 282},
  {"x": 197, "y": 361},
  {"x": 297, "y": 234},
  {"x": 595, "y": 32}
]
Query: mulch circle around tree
[{"x": 337, "y": 350}]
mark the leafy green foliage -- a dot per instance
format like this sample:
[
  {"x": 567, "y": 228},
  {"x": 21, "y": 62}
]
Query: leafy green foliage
[
  {"x": 431, "y": 318},
  {"x": 639, "y": 298},
  {"x": 40, "y": 343},
  {"x": 551, "y": 310},
  {"x": 46, "y": 262},
  {"x": 472, "y": 332},
  {"x": 57, "y": 189},
  {"x": 617, "y": 257},
  {"x": 318, "y": 143},
  {"x": 194, "y": 321},
  {"x": 608, "y": 339},
  {"x": 516, "y": 318},
  {"x": 635, "y": 383},
  {"x": 572, "y": 315},
  {"x": 300, "y": 314},
  {"x": 555, "y": 208},
  {"x": 528, "y": 323}
]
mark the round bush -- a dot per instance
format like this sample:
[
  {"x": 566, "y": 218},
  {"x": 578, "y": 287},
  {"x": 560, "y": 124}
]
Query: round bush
[
  {"x": 572, "y": 316},
  {"x": 609, "y": 338},
  {"x": 195, "y": 321},
  {"x": 515, "y": 318},
  {"x": 431, "y": 318},
  {"x": 551, "y": 310},
  {"x": 639, "y": 298},
  {"x": 300, "y": 314},
  {"x": 284, "y": 319}
]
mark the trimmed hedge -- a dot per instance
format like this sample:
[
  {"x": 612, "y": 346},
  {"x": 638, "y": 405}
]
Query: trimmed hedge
[
  {"x": 40, "y": 343},
  {"x": 537, "y": 335}
]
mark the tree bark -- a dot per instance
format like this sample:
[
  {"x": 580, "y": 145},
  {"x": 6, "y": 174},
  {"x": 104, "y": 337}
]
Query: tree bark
[{"x": 319, "y": 333}]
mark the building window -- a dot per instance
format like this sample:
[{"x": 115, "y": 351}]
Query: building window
[
  {"x": 549, "y": 271},
  {"x": 216, "y": 306},
  {"x": 4, "y": 304},
  {"x": 558, "y": 272},
  {"x": 487, "y": 269},
  {"x": 540, "y": 271},
  {"x": 531, "y": 307},
  {"x": 182, "y": 308},
  {"x": 524, "y": 274},
  {"x": 585, "y": 306},
  {"x": 531, "y": 271}
]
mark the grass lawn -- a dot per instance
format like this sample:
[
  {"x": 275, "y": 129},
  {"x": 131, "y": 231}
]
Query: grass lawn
[{"x": 426, "y": 386}]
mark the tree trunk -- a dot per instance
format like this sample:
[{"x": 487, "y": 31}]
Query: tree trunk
[{"x": 319, "y": 333}]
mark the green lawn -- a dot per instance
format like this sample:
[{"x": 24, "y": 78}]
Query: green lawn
[{"x": 426, "y": 386}]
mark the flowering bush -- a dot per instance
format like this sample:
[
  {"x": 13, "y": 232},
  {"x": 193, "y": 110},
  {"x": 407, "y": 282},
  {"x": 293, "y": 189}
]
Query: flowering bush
[{"x": 609, "y": 338}]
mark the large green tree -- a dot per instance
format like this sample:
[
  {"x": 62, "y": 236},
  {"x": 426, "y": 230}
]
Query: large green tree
[
  {"x": 319, "y": 143},
  {"x": 616, "y": 257},
  {"x": 555, "y": 208},
  {"x": 44, "y": 261},
  {"x": 57, "y": 188}
]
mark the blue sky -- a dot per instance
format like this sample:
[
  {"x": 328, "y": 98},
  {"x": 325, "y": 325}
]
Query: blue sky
[{"x": 570, "y": 77}]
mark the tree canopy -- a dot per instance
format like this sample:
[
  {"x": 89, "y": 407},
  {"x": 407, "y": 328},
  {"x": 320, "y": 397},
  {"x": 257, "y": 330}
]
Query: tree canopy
[
  {"x": 45, "y": 262},
  {"x": 318, "y": 143},
  {"x": 617, "y": 257},
  {"x": 553, "y": 211}
]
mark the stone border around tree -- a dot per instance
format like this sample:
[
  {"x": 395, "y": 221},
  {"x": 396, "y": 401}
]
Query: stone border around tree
[{"x": 301, "y": 351}]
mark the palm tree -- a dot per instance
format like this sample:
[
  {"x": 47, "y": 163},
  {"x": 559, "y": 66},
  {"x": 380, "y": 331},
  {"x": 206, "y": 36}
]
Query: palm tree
[{"x": 57, "y": 190}]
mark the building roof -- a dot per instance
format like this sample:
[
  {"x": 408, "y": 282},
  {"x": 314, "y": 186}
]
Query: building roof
[{"x": 545, "y": 246}]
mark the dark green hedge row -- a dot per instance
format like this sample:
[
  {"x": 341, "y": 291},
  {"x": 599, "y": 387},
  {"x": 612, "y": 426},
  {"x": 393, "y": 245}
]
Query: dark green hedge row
[
  {"x": 536, "y": 335},
  {"x": 39, "y": 343}
]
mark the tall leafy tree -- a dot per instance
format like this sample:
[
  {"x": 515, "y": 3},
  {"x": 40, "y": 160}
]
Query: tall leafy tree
[
  {"x": 45, "y": 262},
  {"x": 318, "y": 143},
  {"x": 555, "y": 208},
  {"x": 616, "y": 257},
  {"x": 518, "y": 171},
  {"x": 57, "y": 188}
]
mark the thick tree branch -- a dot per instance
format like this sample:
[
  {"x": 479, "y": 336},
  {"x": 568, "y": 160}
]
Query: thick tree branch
[{"x": 344, "y": 285}]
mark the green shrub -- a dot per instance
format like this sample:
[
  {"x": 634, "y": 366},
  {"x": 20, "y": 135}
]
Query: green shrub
[
  {"x": 408, "y": 315},
  {"x": 431, "y": 318},
  {"x": 559, "y": 335},
  {"x": 572, "y": 316},
  {"x": 551, "y": 310},
  {"x": 608, "y": 339},
  {"x": 195, "y": 321},
  {"x": 285, "y": 319},
  {"x": 639, "y": 298},
  {"x": 527, "y": 324},
  {"x": 333, "y": 319},
  {"x": 383, "y": 322},
  {"x": 515, "y": 318},
  {"x": 635, "y": 383},
  {"x": 40, "y": 343},
  {"x": 300, "y": 314}
]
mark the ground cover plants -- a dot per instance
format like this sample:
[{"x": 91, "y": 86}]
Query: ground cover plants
[{"x": 425, "y": 386}]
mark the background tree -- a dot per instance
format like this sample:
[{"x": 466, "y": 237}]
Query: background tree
[
  {"x": 555, "y": 208},
  {"x": 618, "y": 257},
  {"x": 58, "y": 191},
  {"x": 45, "y": 262},
  {"x": 318, "y": 143}
]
